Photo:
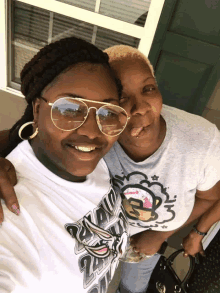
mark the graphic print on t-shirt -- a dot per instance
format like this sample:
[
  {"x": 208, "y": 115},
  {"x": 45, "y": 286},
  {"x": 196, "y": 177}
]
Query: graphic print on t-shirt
[
  {"x": 101, "y": 238},
  {"x": 147, "y": 202}
]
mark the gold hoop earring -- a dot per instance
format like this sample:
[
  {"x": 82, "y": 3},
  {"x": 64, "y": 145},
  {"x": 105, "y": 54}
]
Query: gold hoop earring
[{"x": 22, "y": 128}]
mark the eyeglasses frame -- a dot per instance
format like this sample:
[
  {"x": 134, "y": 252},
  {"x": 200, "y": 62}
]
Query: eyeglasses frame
[{"x": 88, "y": 109}]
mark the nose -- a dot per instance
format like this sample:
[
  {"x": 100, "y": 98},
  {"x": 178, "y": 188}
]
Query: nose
[
  {"x": 90, "y": 127},
  {"x": 140, "y": 106}
]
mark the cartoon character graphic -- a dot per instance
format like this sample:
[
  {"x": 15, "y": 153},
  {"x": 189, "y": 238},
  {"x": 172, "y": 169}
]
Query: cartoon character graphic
[
  {"x": 97, "y": 249},
  {"x": 100, "y": 238},
  {"x": 108, "y": 243},
  {"x": 141, "y": 203},
  {"x": 146, "y": 201}
]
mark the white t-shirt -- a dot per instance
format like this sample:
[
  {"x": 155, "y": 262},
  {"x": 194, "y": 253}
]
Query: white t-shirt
[
  {"x": 161, "y": 189},
  {"x": 68, "y": 236}
]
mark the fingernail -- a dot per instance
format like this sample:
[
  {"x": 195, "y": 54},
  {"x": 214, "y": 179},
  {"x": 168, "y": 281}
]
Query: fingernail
[{"x": 15, "y": 209}]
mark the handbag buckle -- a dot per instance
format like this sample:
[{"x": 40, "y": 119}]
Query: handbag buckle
[
  {"x": 161, "y": 288},
  {"x": 177, "y": 288}
]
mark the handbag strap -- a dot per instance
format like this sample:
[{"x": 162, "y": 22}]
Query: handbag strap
[{"x": 190, "y": 271}]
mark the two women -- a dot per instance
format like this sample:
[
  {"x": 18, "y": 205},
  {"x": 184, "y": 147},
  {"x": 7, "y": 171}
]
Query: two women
[{"x": 167, "y": 164}]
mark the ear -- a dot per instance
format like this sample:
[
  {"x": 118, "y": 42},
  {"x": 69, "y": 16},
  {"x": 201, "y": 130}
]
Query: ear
[{"x": 36, "y": 106}]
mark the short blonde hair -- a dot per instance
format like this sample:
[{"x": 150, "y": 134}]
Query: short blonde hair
[{"x": 122, "y": 52}]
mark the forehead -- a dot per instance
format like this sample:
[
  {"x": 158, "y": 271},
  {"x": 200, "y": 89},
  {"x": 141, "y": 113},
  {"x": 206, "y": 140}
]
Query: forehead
[
  {"x": 85, "y": 80},
  {"x": 134, "y": 66},
  {"x": 132, "y": 71}
]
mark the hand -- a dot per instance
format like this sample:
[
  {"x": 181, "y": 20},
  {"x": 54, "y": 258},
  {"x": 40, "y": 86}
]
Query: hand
[
  {"x": 7, "y": 180},
  {"x": 147, "y": 242},
  {"x": 192, "y": 244}
]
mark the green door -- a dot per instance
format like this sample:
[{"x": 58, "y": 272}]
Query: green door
[{"x": 186, "y": 53}]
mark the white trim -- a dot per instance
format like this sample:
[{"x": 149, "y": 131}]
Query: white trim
[
  {"x": 94, "y": 34},
  {"x": 68, "y": 31},
  {"x": 9, "y": 41},
  {"x": 211, "y": 234},
  {"x": 50, "y": 31},
  {"x": 3, "y": 44},
  {"x": 25, "y": 46},
  {"x": 95, "y": 28},
  {"x": 14, "y": 85},
  {"x": 13, "y": 92},
  {"x": 150, "y": 27},
  {"x": 89, "y": 17},
  {"x": 97, "y": 6}
]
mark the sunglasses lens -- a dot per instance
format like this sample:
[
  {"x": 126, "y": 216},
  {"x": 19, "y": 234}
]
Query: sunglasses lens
[
  {"x": 112, "y": 119},
  {"x": 68, "y": 114}
]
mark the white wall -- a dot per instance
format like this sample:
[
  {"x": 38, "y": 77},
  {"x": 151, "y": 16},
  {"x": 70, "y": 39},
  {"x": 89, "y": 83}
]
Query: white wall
[{"x": 11, "y": 109}]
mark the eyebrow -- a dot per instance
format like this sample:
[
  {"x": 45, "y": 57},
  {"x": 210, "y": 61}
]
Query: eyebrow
[
  {"x": 81, "y": 97},
  {"x": 148, "y": 78}
]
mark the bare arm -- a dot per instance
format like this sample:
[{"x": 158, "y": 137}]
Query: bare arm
[
  {"x": 192, "y": 243},
  {"x": 4, "y": 139},
  {"x": 205, "y": 203},
  {"x": 7, "y": 179}
]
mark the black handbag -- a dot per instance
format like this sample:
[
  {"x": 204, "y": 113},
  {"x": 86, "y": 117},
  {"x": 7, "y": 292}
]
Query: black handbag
[{"x": 165, "y": 280}]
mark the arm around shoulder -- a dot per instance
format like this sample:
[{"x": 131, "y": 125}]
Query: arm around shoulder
[{"x": 4, "y": 139}]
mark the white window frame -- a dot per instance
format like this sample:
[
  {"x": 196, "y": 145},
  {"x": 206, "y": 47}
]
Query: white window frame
[{"x": 145, "y": 34}]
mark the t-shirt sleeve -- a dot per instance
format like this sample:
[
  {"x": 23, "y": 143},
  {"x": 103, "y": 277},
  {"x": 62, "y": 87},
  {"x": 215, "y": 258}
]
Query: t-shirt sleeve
[{"x": 211, "y": 173}]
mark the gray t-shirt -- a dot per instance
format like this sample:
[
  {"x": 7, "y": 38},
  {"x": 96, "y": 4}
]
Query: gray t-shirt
[{"x": 160, "y": 190}]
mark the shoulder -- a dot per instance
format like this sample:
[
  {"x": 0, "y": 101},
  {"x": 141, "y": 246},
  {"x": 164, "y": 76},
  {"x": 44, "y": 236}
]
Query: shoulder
[
  {"x": 190, "y": 127},
  {"x": 21, "y": 151}
]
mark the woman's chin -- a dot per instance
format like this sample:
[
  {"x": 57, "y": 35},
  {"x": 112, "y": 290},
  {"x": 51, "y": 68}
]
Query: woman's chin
[{"x": 79, "y": 172}]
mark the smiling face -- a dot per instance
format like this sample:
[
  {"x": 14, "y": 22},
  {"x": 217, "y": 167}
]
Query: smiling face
[
  {"x": 142, "y": 100},
  {"x": 74, "y": 154}
]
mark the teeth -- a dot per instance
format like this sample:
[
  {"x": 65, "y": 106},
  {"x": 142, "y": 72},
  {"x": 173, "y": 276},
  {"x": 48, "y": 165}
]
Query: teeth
[{"x": 84, "y": 149}]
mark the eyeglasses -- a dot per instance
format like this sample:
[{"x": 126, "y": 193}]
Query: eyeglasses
[{"x": 70, "y": 113}]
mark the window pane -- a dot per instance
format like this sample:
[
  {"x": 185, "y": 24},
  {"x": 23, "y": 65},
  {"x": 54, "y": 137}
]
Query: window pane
[
  {"x": 106, "y": 38},
  {"x": 86, "y": 4},
  {"x": 68, "y": 27},
  {"x": 31, "y": 25},
  {"x": 132, "y": 11},
  {"x": 21, "y": 57},
  {"x": 33, "y": 28}
]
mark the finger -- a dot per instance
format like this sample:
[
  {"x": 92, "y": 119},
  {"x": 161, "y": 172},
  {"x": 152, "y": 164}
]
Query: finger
[
  {"x": 8, "y": 194},
  {"x": 8, "y": 168},
  {"x": 135, "y": 250},
  {"x": 202, "y": 252},
  {"x": 12, "y": 174}
]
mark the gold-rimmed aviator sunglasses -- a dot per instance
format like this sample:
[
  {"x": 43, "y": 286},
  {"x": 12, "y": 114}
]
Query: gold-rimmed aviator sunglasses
[{"x": 69, "y": 113}]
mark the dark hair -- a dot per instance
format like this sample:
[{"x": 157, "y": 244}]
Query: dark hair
[{"x": 47, "y": 64}]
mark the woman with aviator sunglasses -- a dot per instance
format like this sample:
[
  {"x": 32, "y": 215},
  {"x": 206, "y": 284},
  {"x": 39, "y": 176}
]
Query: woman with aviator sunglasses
[{"x": 72, "y": 229}]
